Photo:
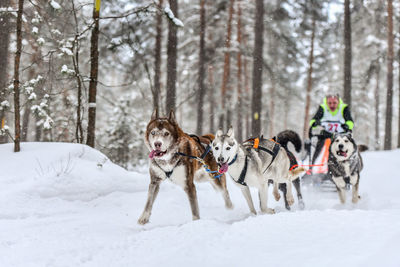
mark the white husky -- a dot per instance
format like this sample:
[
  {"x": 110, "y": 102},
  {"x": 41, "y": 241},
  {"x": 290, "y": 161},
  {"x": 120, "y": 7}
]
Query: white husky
[{"x": 251, "y": 164}]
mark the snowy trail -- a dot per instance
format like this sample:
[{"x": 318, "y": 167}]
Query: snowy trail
[{"x": 76, "y": 208}]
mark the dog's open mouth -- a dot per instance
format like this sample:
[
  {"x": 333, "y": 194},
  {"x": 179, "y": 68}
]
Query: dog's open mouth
[
  {"x": 157, "y": 153},
  {"x": 342, "y": 153},
  {"x": 223, "y": 168}
]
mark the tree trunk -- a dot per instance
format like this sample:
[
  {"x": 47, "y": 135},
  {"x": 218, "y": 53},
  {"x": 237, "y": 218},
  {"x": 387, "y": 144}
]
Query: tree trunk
[
  {"x": 202, "y": 54},
  {"x": 247, "y": 94},
  {"x": 94, "y": 69},
  {"x": 75, "y": 60},
  {"x": 398, "y": 132},
  {"x": 211, "y": 95},
  {"x": 157, "y": 61},
  {"x": 227, "y": 67},
  {"x": 239, "y": 131},
  {"x": 389, "y": 96},
  {"x": 257, "y": 68},
  {"x": 309, "y": 82},
  {"x": 17, "y": 114},
  {"x": 172, "y": 57},
  {"x": 377, "y": 137},
  {"x": 5, "y": 39},
  {"x": 347, "y": 53}
]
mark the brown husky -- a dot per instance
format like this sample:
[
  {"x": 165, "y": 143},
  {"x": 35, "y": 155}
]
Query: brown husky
[{"x": 167, "y": 144}]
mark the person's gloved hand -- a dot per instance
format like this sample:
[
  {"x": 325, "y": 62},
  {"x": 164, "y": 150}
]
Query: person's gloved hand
[
  {"x": 345, "y": 127},
  {"x": 315, "y": 123},
  {"x": 326, "y": 134}
]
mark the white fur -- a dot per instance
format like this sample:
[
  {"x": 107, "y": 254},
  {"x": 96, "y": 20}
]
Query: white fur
[{"x": 255, "y": 176}]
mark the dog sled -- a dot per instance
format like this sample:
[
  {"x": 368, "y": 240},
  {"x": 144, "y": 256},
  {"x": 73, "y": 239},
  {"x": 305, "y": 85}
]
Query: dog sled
[{"x": 317, "y": 175}]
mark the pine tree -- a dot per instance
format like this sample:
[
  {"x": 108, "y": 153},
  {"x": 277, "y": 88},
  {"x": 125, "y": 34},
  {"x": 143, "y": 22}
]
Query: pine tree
[
  {"x": 389, "y": 94},
  {"x": 94, "y": 69},
  {"x": 257, "y": 68}
]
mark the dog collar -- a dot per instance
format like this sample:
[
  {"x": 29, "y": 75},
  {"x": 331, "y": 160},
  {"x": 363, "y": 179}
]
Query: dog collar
[{"x": 233, "y": 161}]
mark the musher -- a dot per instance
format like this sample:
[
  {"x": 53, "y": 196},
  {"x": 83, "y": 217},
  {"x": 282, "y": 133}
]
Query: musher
[{"x": 334, "y": 116}]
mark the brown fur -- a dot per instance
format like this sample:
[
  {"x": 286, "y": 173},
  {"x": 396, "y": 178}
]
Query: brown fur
[{"x": 183, "y": 143}]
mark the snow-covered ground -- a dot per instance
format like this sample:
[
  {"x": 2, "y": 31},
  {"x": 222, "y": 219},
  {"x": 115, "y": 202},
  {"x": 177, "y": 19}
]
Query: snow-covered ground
[{"x": 68, "y": 205}]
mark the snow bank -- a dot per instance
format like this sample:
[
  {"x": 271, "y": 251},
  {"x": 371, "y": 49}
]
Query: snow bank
[{"x": 68, "y": 205}]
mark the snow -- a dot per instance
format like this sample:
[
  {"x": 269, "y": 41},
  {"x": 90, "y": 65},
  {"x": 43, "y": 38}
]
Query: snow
[
  {"x": 55, "y": 5},
  {"x": 41, "y": 41},
  {"x": 171, "y": 16},
  {"x": 67, "y": 205}
]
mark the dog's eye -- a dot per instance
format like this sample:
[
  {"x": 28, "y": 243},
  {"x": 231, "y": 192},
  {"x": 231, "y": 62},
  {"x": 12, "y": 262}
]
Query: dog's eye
[
  {"x": 166, "y": 133},
  {"x": 153, "y": 132},
  {"x": 216, "y": 148},
  {"x": 337, "y": 141},
  {"x": 346, "y": 141},
  {"x": 228, "y": 148}
]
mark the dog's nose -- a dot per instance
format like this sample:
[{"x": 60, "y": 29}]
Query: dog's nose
[
  {"x": 341, "y": 146},
  {"x": 220, "y": 159},
  {"x": 157, "y": 145}
]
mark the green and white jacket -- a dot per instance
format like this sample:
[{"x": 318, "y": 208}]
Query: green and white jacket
[{"x": 333, "y": 120}]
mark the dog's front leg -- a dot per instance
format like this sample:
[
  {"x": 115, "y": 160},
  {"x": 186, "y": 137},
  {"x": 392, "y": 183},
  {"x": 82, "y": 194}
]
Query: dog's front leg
[
  {"x": 246, "y": 193},
  {"x": 263, "y": 196},
  {"x": 340, "y": 185},
  {"x": 275, "y": 191},
  {"x": 355, "y": 182},
  {"x": 154, "y": 187},
  {"x": 191, "y": 192}
]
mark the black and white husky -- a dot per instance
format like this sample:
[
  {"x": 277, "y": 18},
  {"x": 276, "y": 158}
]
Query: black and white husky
[
  {"x": 345, "y": 164},
  {"x": 251, "y": 165}
]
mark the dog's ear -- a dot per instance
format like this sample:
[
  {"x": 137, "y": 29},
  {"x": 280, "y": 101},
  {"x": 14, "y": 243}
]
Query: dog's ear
[
  {"x": 171, "y": 117},
  {"x": 219, "y": 133},
  {"x": 350, "y": 134},
  {"x": 230, "y": 132},
  {"x": 155, "y": 114}
]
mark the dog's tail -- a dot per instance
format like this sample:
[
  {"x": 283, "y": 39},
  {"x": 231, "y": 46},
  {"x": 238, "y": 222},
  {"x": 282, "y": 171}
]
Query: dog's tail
[
  {"x": 284, "y": 137},
  {"x": 362, "y": 148},
  {"x": 294, "y": 174}
]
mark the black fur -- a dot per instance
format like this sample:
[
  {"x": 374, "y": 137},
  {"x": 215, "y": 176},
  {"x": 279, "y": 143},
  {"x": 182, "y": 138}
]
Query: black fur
[{"x": 284, "y": 137}]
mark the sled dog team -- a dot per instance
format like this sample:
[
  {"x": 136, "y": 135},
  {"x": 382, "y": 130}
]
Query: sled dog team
[{"x": 257, "y": 162}]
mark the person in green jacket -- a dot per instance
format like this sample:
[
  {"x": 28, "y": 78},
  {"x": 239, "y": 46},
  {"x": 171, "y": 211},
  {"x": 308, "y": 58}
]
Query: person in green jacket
[{"x": 334, "y": 116}]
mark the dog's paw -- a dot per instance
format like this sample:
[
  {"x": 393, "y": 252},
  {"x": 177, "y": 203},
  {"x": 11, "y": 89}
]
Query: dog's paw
[
  {"x": 229, "y": 206},
  {"x": 144, "y": 218},
  {"x": 355, "y": 199},
  {"x": 290, "y": 200},
  {"x": 268, "y": 211},
  {"x": 195, "y": 217},
  {"x": 277, "y": 196}
]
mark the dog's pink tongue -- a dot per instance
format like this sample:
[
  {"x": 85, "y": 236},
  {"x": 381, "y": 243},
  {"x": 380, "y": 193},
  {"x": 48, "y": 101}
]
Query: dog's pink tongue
[
  {"x": 152, "y": 153},
  {"x": 223, "y": 168}
]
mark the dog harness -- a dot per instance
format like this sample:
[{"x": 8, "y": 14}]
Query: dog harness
[
  {"x": 213, "y": 174},
  {"x": 256, "y": 145},
  {"x": 274, "y": 152},
  {"x": 242, "y": 175},
  {"x": 168, "y": 174}
]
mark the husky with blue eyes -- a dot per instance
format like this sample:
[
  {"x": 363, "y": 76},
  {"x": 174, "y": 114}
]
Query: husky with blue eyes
[
  {"x": 345, "y": 164},
  {"x": 255, "y": 163},
  {"x": 167, "y": 143}
]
